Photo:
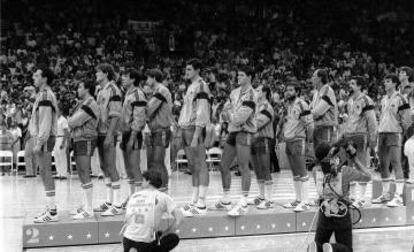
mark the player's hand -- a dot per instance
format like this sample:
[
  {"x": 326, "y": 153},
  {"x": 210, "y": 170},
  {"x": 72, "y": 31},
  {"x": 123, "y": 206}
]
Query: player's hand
[
  {"x": 109, "y": 140},
  {"x": 37, "y": 149}
]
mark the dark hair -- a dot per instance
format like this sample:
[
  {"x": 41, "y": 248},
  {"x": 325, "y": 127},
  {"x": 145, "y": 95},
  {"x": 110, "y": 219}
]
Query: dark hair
[
  {"x": 64, "y": 108},
  {"x": 360, "y": 81},
  {"x": 107, "y": 69},
  {"x": 268, "y": 91},
  {"x": 410, "y": 132},
  {"x": 249, "y": 71},
  {"x": 295, "y": 85},
  {"x": 134, "y": 74},
  {"x": 323, "y": 74},
  {"x": 196, "y": 63},
  {"x": 321, "y": 151},
  {"x": 393, "y": 78},
  {"x": 47, "y": 73},
  {"x": 153, "y": 177},
  {"x": 89, "y": 85},
  {"x": 408, "y": 71},
  {"x": 154, "y": 73}
]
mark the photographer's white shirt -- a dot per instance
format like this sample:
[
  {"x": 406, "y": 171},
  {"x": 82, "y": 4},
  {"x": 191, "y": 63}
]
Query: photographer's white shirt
[{"x": 143, "y": 214}]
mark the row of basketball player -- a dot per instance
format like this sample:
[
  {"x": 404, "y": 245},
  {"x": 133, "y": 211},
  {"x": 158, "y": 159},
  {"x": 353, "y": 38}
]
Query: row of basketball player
[{"x": 250, "y": 118}]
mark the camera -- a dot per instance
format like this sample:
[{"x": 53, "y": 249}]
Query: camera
[
  {"x": 348, "y": 146},
  {"x": 334, "y": 161}
]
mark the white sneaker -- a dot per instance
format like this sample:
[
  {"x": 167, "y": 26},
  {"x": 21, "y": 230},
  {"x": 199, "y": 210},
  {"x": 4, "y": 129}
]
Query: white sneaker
[
  {"x": 220, "y": 205},
  {"x": 83, "y": 215},
  {"x": 113, "y": 210},
  {"x": 195, "y": 211},
  {"x": 409, "y": 181},
  {"x": 359, "y": 203},
  {"x": 384, "y": 198},
  {"x": 125, "y": 203},
  {"x": 301, "y": 207},
  {"x": 46, "y": 217},
  {"x": 76, "y": 211},
  {"x": 255, "y": 201},
  {"x": 265, "y": 204},
  {"x": 397, "y": 201},
  {"x": 237, "y": 210},
  {"x": 292, "y": 204},
  {"x": 188, "y": 206}
]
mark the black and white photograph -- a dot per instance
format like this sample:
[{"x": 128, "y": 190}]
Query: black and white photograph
[{"x": 207, "y": 126}]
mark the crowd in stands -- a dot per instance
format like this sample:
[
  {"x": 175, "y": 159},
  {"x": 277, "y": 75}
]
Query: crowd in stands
[{"x": 283, "y": 41}]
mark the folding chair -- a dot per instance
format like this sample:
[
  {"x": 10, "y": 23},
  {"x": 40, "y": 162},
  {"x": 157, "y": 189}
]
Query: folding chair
[
  {"x": 8, "y": 155},
  {"x": 19, "y": 162},
  {"x": 214, "y": 156}
]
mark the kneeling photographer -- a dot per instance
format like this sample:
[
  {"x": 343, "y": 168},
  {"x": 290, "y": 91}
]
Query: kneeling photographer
[
  {"x": 142, "y": 229},
  {"x": 336, "y": 168}
]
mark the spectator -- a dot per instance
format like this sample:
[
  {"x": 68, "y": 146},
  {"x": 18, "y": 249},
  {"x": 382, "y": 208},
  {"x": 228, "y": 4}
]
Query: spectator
[
  {"x": 6, "y": 140},
  {"x": 17, "y": 135}
]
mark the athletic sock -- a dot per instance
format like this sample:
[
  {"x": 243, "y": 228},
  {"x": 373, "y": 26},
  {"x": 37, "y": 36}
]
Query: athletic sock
[
  {"x": 109, "y": 193},
  {"x": 268, "y": 190},
  {"x": 261, "y": 184},
  {"x": 195, "y": 195},
  {"x": 226, "y": 196},
  {"x": 202, "y": 196}
]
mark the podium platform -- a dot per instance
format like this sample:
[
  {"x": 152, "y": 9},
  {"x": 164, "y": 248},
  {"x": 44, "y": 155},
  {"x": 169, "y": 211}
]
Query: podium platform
[{"x": 104, "y": 230}]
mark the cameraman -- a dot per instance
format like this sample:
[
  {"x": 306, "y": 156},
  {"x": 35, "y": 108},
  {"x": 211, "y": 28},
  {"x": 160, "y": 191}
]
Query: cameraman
[
  {"x": 143, "y": 218},
  {"x": 333, "y": 178}
]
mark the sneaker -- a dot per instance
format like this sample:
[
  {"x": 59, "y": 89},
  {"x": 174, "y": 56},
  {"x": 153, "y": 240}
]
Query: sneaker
[
  {"x": 265, "y": 204},
  {"x": 384, "y": 198},
  {"x": 188, "y": 206},
  {"x": 195, "y": 211},
  {"x": 113, "y": 210},
  {"x": 238, "y": 210},
  {"x": 292, "y": 204},
  {"x": 397, "y": 201},
  {"x": 327, "y": 247},
  {"x": 359, "y": 203},
  {"x": 82, "y": 215},
  {"x": 76, "y": 211},
  {"x": 220, "y": 205},
  {"x": 255, "y": 201},
  {"x": 102, "y": 208},
  {"x": 301, "y": 207},
  {"x": 125, "y": 203},
  {"x": 312, "y": 247},
  {"x": 46, "y": 217},
  {"x": 409, "y": 181}
]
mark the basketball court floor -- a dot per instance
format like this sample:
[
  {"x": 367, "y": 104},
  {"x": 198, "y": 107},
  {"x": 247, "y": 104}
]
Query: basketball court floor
[{"x": 25, "y": 196}]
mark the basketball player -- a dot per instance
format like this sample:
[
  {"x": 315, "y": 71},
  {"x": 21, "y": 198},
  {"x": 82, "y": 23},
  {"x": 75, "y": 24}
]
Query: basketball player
[
  {"x": 159, "y": 113},
  {"x": 324, "y": 109},
  {"x": 297, "y": 128},
  {"x": 240, "y": 112},
  {"x": 194, "y": 117},
  {"x": 361, "y": 129},
  {"x": 261, "y": 148},
  {"x": 83, "y": 125},
  {"x": 394, "y": 121},
  {"x": 132, "y": 124},
  {"x": 110, "y": 106},
  {"x": 43, "y": 128}
]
